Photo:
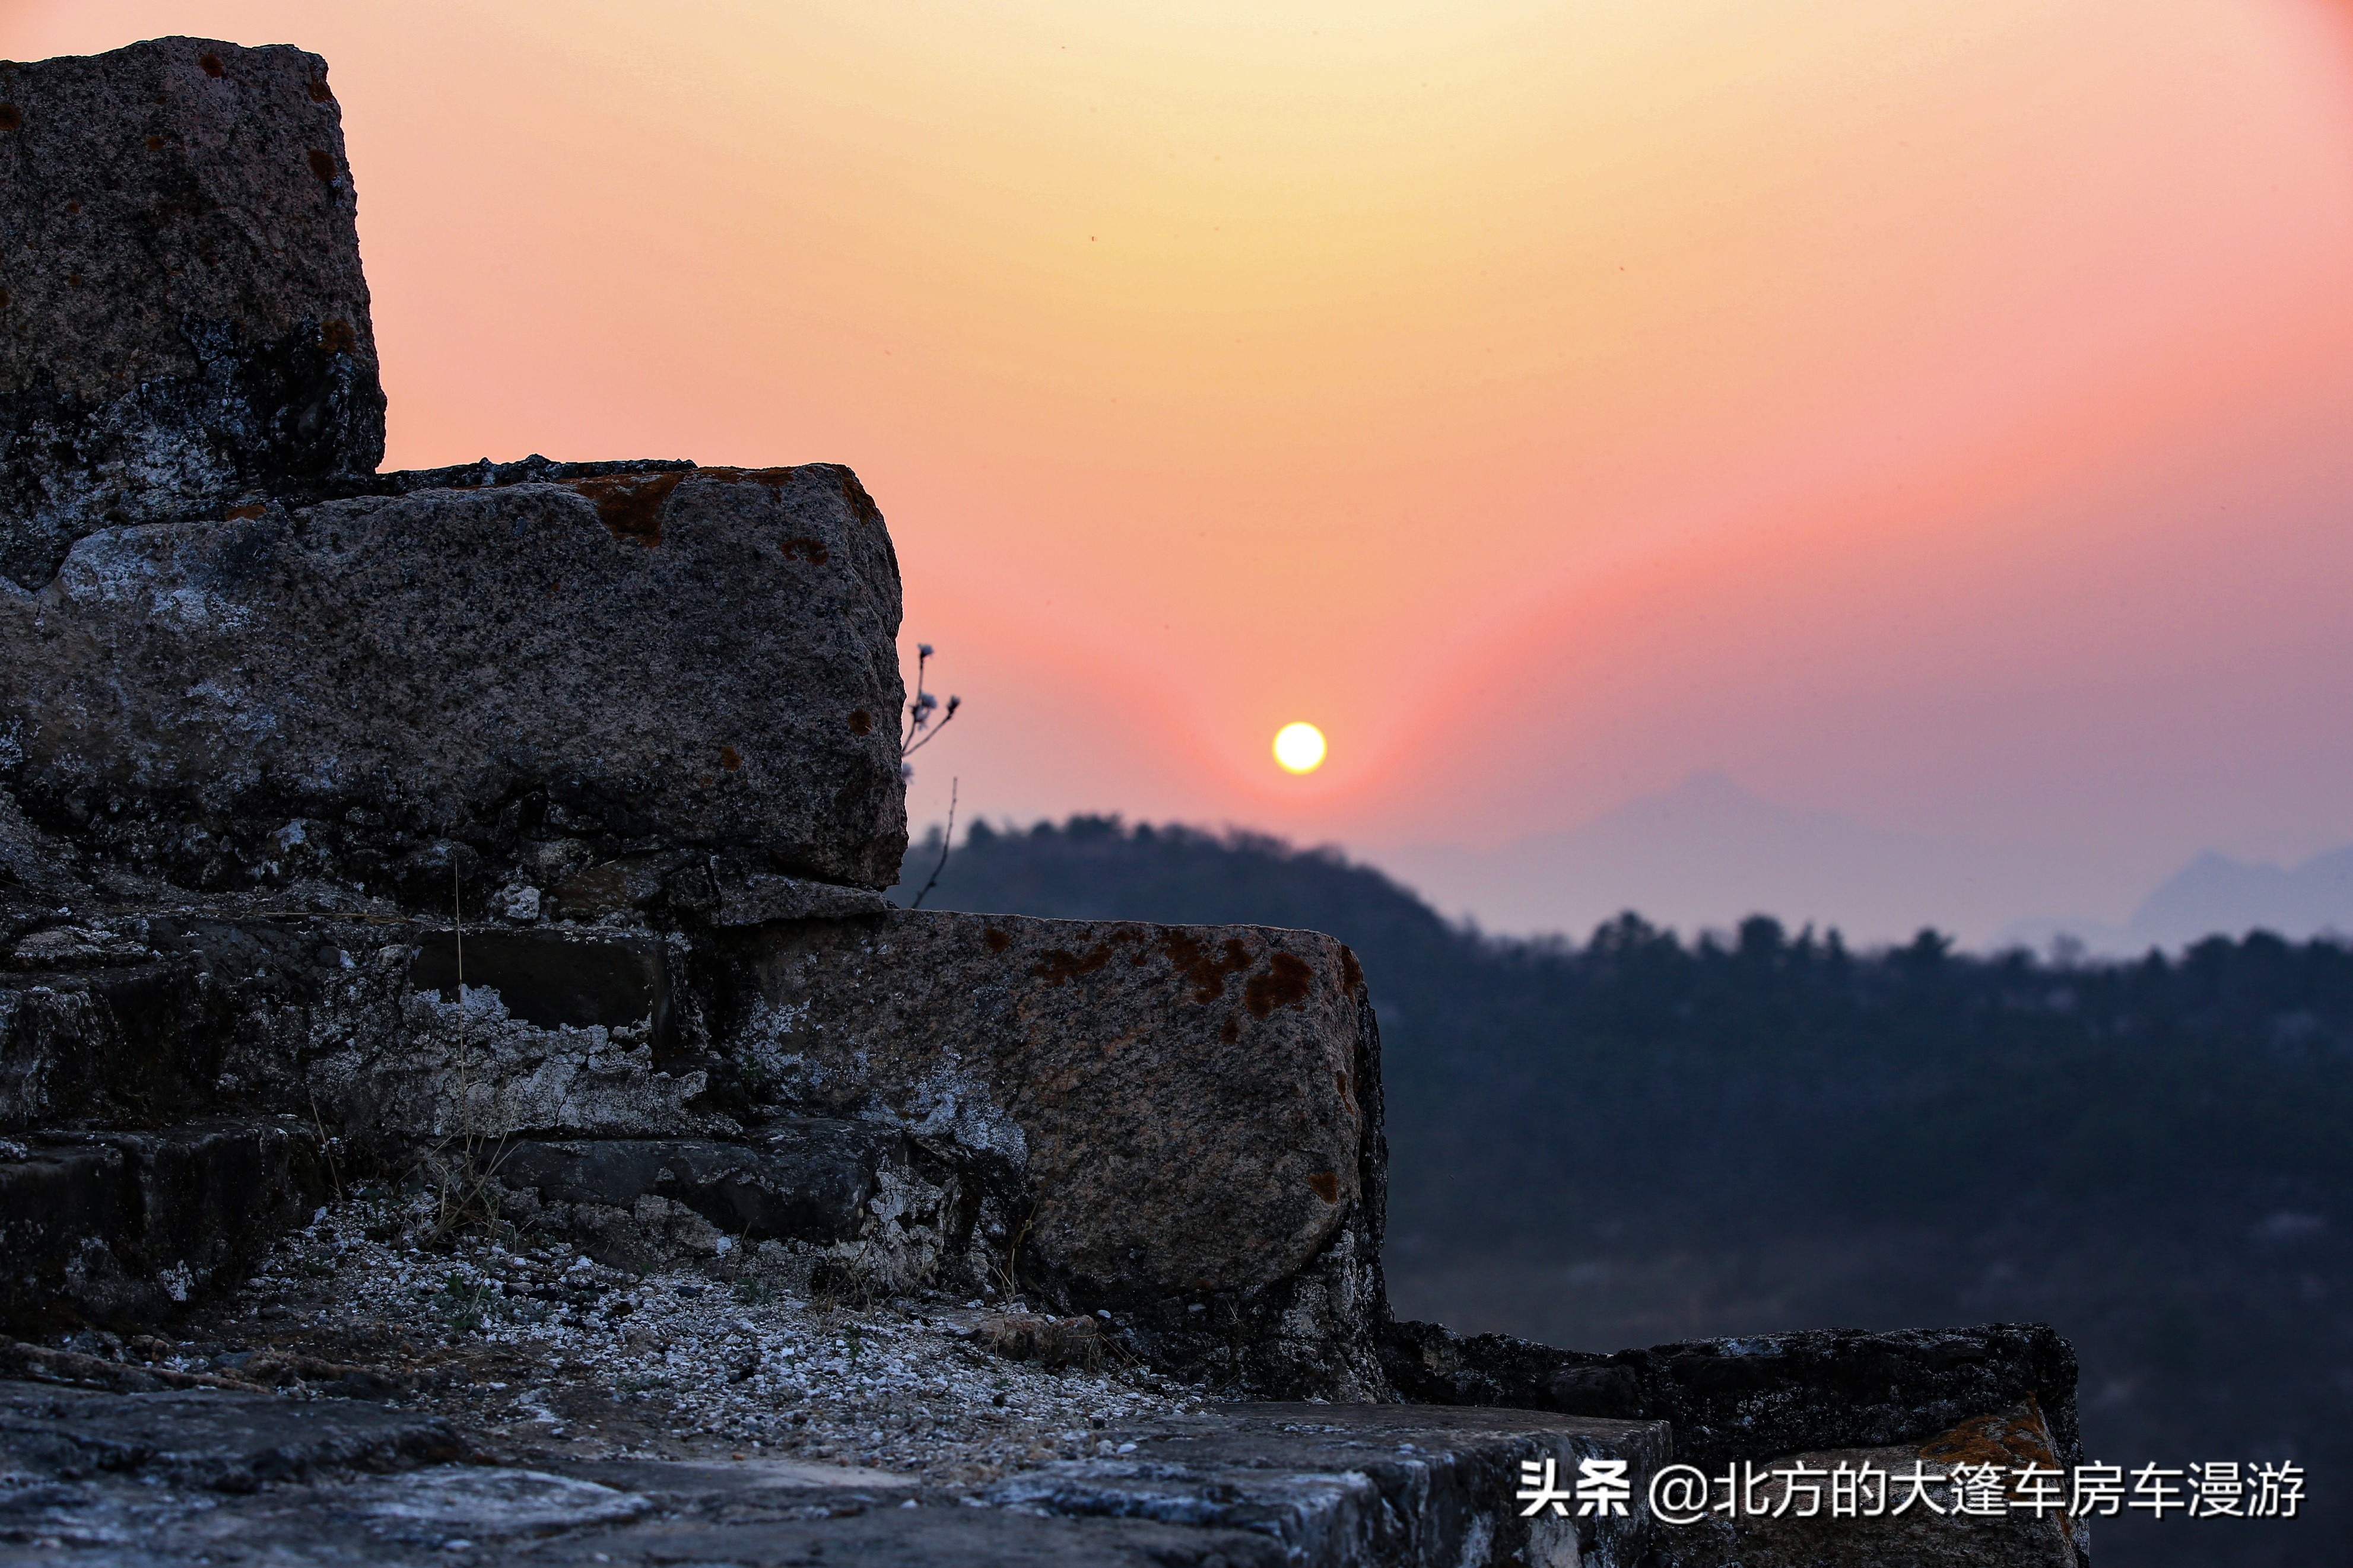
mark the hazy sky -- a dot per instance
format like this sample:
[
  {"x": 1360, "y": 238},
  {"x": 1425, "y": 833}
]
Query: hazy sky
[{"x": 1933, "y": 413}]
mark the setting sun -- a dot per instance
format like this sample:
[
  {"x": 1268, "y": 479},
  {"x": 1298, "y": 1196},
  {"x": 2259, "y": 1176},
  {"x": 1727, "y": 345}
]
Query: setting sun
[{"x": 1299, "y": 748}]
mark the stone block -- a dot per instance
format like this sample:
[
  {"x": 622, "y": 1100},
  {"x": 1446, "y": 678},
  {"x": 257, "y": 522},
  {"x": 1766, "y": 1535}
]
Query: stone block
[
  {"x": 806, "y": 1180},
  {"x": 97, "y": 1030},
  {"x": 182, "y": 320},
  {"x": 554, "y": 978},
  {"x": 564, "y": 1033},
  {"x": 37, "y": 873},
  {"x": 688, "y": 677},
  {"x": 1178, "y": 1123},
  {"x": 129, "y": 1020},
  {"x": 1762, "y": 1395},
  {"x": 122, "y": 1227},
  {"x": 872, "y": 1208},
  {"x": 1795, "y": 1525},
  {"x": 121, "y": 1019}
]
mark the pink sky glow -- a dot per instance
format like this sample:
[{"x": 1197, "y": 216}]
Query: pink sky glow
[{"x": 1935, "y": 414}]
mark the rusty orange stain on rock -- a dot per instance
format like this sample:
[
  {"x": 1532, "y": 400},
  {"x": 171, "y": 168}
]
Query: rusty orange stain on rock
[
  {"x": 1326, "y": 1184},
  {"x": 812, "y": 550},
  {"x": 1195, "y": 963},
  {"x": 1287, "y": 980},
  {"x": 861, "y": 503},
  {"x": 337, "y": 338},
  {"x": 13, "y": 119},
  {"x": 318, "y": 90},
  {"x": 729, "y": 759},
  {"x": 211, "y": 65},
  {"x": 322, "y": 163},
  {"x": 996, "y": 940},
  {"x": 861, "y": 722},
  {"x": 1060, "y": 964},
  {"x": 1352, "y": 974},
  {"x": 2012, "y": 1436},
  {"x": 241, "y": 513},
  {"x": 630, "y": 505}
]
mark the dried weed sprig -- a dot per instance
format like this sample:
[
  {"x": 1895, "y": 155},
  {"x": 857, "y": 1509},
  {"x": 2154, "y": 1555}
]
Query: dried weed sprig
[
  {"x": 925, "y": 718},
  {"x": 464, "y": 1170}
]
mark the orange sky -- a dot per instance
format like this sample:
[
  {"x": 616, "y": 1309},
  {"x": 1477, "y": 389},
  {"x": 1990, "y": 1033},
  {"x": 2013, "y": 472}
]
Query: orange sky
[{"x": 1934, "y": 413}]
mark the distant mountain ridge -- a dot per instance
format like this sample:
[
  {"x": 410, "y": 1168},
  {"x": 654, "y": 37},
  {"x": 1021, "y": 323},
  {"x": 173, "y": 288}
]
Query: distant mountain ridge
[
  {"x": 1708, "y": 854},
  {"x": 2216, "y": 895}
]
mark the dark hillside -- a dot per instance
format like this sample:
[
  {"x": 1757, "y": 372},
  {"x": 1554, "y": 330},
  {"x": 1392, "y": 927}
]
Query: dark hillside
[{"x": 1642, "y": 1137}]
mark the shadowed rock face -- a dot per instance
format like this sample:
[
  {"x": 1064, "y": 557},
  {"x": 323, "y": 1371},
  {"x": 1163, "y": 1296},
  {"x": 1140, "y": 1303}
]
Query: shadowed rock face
[
  {"x": 1185, "y": 1119},
  {"x": 1178, "y": 1124},
  {"x": 615, "y": 691},
  {"x": 1183, "y": 1098},
  {"x": 123, "y": 1226},
  {"x": 182, "y": 320}
]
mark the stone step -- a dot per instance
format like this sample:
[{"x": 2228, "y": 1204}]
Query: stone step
[
  {"x": 119, "y": 1229},
  {"x": 292, "y": 696},
  {"x": 635, "y": 1203},
  {"x": 1763, "y": 1395},
  {"x": 176, "y": 1477},
  {"x": 188, "y": 259},
  {"x": 126, "y": 1019},
  {"x": 211, "y": 1440},
  {"x": 2002, "y": 1394},
  {"x": 1178, "y": 1124}
]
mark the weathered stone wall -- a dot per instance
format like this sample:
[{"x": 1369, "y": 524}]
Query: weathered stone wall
[
  {"x": 183, "y": 319},
  {"x": 1179, "y": 1126}
]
